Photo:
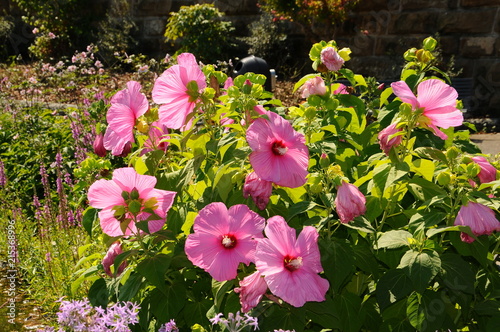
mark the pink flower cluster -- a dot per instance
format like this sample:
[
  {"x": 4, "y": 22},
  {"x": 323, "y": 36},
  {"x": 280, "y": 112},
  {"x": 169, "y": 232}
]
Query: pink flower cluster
[{"x": 286, "y": 265}]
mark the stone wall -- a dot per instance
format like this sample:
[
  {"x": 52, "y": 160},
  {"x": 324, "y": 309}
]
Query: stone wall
[
  {"x": 151, "y": 17},
  {"x": 380, "y": 31}
]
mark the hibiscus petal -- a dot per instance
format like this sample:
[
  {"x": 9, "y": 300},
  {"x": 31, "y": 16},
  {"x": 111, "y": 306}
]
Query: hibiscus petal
[
  {"x": 114, "y": 142},
  {"x": 245, "y": 223},
  {"x": 281, "y": 235},
  {"x": 434, "y": 93},
  {"x": 445, "y": 117},
  {"x": 127, "y": 178},
  {"x": 121, "y": 120},
  {"x": 104, "y": 194},
  {"x": 402, "y": 90},
  {"x": 137, "y": 100},
  {"x": 212, "y": 219},
  {"x": 307, "y": 244},
  {"x": 263, "y": 164}
]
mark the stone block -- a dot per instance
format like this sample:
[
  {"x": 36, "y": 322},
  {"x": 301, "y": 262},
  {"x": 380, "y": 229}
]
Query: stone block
[
  {"x": 471, "y": 21},
  {"x": 152, "y": 7},
  {"x": 420, "y": 22},
  {"x": 478, "y": 3},
  {"x": 237, "y": 7},
  {"x": 449, "y": 45},
  {"x": 477, "y": 46},
  {"x": 380, "y": 67},
  {"x": 423, "y": 4},
  {"x": 396, "y": 46},
  {"x": 377, "y": 5},
  {"x": 360, "y": 44},
  {"x": 154, "y": 26}
]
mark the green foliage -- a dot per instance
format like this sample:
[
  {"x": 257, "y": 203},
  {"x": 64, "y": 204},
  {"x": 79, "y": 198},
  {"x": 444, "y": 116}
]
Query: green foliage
[
  {"x": 321, "y": 14},
  {"x": 269, "y": 41},
  {"x": 114, "y": 32},
  {"x": 199, "y": 29}
]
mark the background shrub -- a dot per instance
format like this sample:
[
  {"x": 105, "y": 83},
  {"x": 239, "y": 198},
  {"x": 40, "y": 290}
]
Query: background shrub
[{"x": 198, "y": 29}]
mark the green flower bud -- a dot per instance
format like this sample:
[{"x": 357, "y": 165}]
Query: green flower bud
[
  {"x": 134, "y": 206},
  {"x": 310, "y": 113},
  {"x": 410, "y": 55},
  {"x": 134, "y": 194},
  {"x": 429, "y": 44},
  {"x": 452, "y": 153},
  {"x": 444, "y": 178}
]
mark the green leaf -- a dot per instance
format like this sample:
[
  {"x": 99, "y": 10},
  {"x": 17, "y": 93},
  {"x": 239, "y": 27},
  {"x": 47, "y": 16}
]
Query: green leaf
[
  {"x": 350, "y": 311},
  {"x": 300, "y": 207},
  {"x": 89, "y": 217},
  {"x": 219, "y": 290},
  {"x": 394, "y": 239},
  {"x": 361, "y": 224},
  {"x": 424, "y": 190},
  {"x": 98, "y": 293},
  {"x": 167, "y": 304},
  {"x": 424, "y": 168},
  {"x": 421, "y": 267},
  {"x": 393, "y": 286},
  {"x": 196, "y": 312},
  {"x": 457, "y": 273},
  {"x": 337, "y": 259},
  {"x": 154, "y": 268},
  {"x": 284, "y": 318},
  {"x": 131, "y": 287},
  {"x": 414, "y": 310},
  {"x": 431, "y": 154},
  {"x": 322, "y": 313}
]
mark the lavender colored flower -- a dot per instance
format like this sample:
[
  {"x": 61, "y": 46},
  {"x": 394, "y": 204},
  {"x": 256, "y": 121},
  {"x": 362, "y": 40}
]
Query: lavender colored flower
[
  {"x": 169, "y": 327},
  {"x": 3, "y": 178},
  {"x": 235, "y": 323}
]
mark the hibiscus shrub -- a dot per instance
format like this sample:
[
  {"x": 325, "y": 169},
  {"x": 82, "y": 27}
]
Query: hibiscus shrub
[{"x": 364, "y": 208}]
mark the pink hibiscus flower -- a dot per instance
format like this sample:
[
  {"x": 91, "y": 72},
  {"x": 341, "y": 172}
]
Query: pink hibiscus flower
[
  {"x": 126, "y": 107},
  {"x": 480, "y": 218},
  {"x": 350, "y": 202},
  {"x": 438, "y": 101},
  {"x": 128, "y": 198},
  {"x": 223, "y": 239},
  {"x": 279, "y": 152},
  {"x": 260, "y": 190},
  {"x": 387, "y": 139},
  {"x": 157, "y": 132},
  {"x": 177, "y": 91},
  {"x": 314, "y": 86},
  {"x": 251, "y": 290},
  {"x": 488, "y": 172},
  {"x": 109, "y": 260},
  {"x": 331, "y": 59},
  {"x": 290, "y": 265}
]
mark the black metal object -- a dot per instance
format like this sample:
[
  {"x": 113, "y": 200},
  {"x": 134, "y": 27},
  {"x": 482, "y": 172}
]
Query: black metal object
[{"x": 253, "y": 64}]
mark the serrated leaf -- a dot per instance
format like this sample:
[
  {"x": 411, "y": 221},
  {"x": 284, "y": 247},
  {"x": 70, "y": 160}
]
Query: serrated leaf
[
  {"x": 131, "y": 287},
  {"x": 154, "y": 268},
  {"x": 393, "y": 286},
  {"x": 394, "y": 239},
  {"x": 457, "y": 273},
  {"x": 421, "y": 267}
]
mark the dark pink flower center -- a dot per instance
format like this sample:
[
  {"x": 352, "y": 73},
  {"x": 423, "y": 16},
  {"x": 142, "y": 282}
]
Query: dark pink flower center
[
  {"x": 279, "y": 148},
  {"x": 292, "y": 263},
  {"x": 229, "y": 241}
]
